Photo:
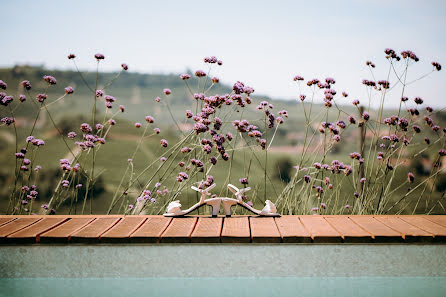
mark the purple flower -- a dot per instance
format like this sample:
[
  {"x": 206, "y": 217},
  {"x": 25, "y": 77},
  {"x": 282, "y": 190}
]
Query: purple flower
[
  {"x": 37, "y": 168},
  {"x": 41, "y": 97},
  {"x": 315, "y": 209},
  {"x": 157, "y": 99},
  {"x": 156, "y": 130},
  {"x": 69, "y": 90},
  {"x": 22, "y": 98},
  {"x": 71, "y": 56},
  {"x": 125, "y": 66},
  {"x": 404, "y": 99},
  {"x": 109, "y": 98},
  {"x": 86, "y": 128},
  {"x": 244, "y": 181},
  {"x": 384, "y": 83},
  {"x": 298, "y": 78},
  {"x": 366, "y": 116},
  {"x": 200, "y": 73},
  {"x": 436, "y": 65},
  {"x": 149, "y": 119},
  {"x": 26, "y": 85},
  {"x": 99, "y": 93},
  {"x": 19, "y": 155},
  {"x": 121, "y": 108},
  {"x": 38, "y": 142},
  {"x": 411, "y": 177},
  {"x": 307, "y": 178},
  {"x": 112, "y": 122},
  {"x": 71, "y": 135},
  {"x": 216, "y": 80},
  {"x": 184, "y": 76},
  {"x": 238, "y": 87},
  {"x": 3, "y": 85},
  {"x": 356, "y": 102},
  {"x": 29, "y": 138},
  {"x": 167, "y": 91},
  {"x": 99, "y": 126},
  {"x": 138, "y": 125},
  {"x": 78, "y": 186},
  {"x": 211, "y": 60},
  {"x": 442, "y": 152},
  {"x": 213, "y": 160},
  {"x": 99, "y": 57},
  {"x": 50, "y": 79},
  {"x": 164, "y": 143},
  {"x": 163, "y": 159},
  {"x": 418, "y": 100},
  {"x": 337, "y": 138},
  {"x": 5, "y": 100},
  {"x": 362, "y": 180}
]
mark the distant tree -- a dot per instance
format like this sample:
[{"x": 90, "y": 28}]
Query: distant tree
[{"x": 284, "y": 167}]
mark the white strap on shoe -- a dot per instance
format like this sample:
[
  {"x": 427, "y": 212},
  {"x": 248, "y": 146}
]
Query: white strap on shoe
[
  {"x": 238, "y": 192},
  {"x": 204, "y": 192}
]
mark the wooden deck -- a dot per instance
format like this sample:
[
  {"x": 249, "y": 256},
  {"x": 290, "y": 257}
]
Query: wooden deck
[{"x": 237, "y": 229}]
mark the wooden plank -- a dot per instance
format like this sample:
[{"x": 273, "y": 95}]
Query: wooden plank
[
  {"x": 291, "y": 230},
  {"x": 264, "y": 230},
  {"x": 31, "y": 233},
  {"x": 379, "y": 231},
  {"x": 91, "y": 232},
  {"x": 437, "y": 230},
  {"x": 62, "y": 233},
  {"x": 151, "y": 230},
  {"x": 15, "y": 226},
  {"x": 207, "y": 230},
  {"x": 440, "y": 220},
  {"x": 409, "y": 232},
  {"x": 349, "y": 231},
  {"x": 236, "y": 230},
  {"x": 320, "y": 230},
  {"x": 179, "y": 230},
  {"x": 4, "y": 221},
  {"x": 122, "y": 230}
]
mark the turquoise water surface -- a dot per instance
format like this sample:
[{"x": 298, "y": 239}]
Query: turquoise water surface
[{"x": 283, "y": 286}]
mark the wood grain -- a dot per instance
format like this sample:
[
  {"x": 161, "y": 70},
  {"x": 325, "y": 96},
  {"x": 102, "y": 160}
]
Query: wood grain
[
  {"x": 151, "y": 230},
  {"x": 320, "y": 230},
  {"x": 291, "y": 230},
  {"x": 31, "y": 233},
  {"x": 92, "y": 232},
  {"x": 350, "y": 231},
  {"x": 207, "y": 230},
  {"x": 379, "y": 231},
  {"x": 179, "y": 230},
  {"x": 264, "y": 230},
  {"x": 62, "y": 233},
  {"x": 236, "y": 230}
]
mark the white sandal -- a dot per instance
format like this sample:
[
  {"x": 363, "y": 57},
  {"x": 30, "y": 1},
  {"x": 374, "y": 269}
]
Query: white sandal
[
  {"x": 268, "y": 211},
  {"x": 174, "y": 207}
]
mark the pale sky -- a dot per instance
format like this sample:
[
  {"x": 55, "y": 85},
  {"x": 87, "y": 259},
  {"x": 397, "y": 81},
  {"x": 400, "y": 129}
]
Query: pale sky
[{"x": 262, "y": 43}]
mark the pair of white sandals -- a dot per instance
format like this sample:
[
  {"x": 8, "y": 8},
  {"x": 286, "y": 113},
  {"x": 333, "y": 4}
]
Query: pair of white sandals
[{"x": 174, "y": 207}]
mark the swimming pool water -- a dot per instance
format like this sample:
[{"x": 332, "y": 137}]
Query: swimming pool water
[{"x": 277, "y": 286}]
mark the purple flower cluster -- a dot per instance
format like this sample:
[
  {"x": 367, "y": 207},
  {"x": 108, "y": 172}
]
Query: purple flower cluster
[
  {"x": 182, "y": 176},
  {"x": 50, "y": 79},
  {"x": 391, "y": 54},
  {"x": 409, "y": 54}
]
